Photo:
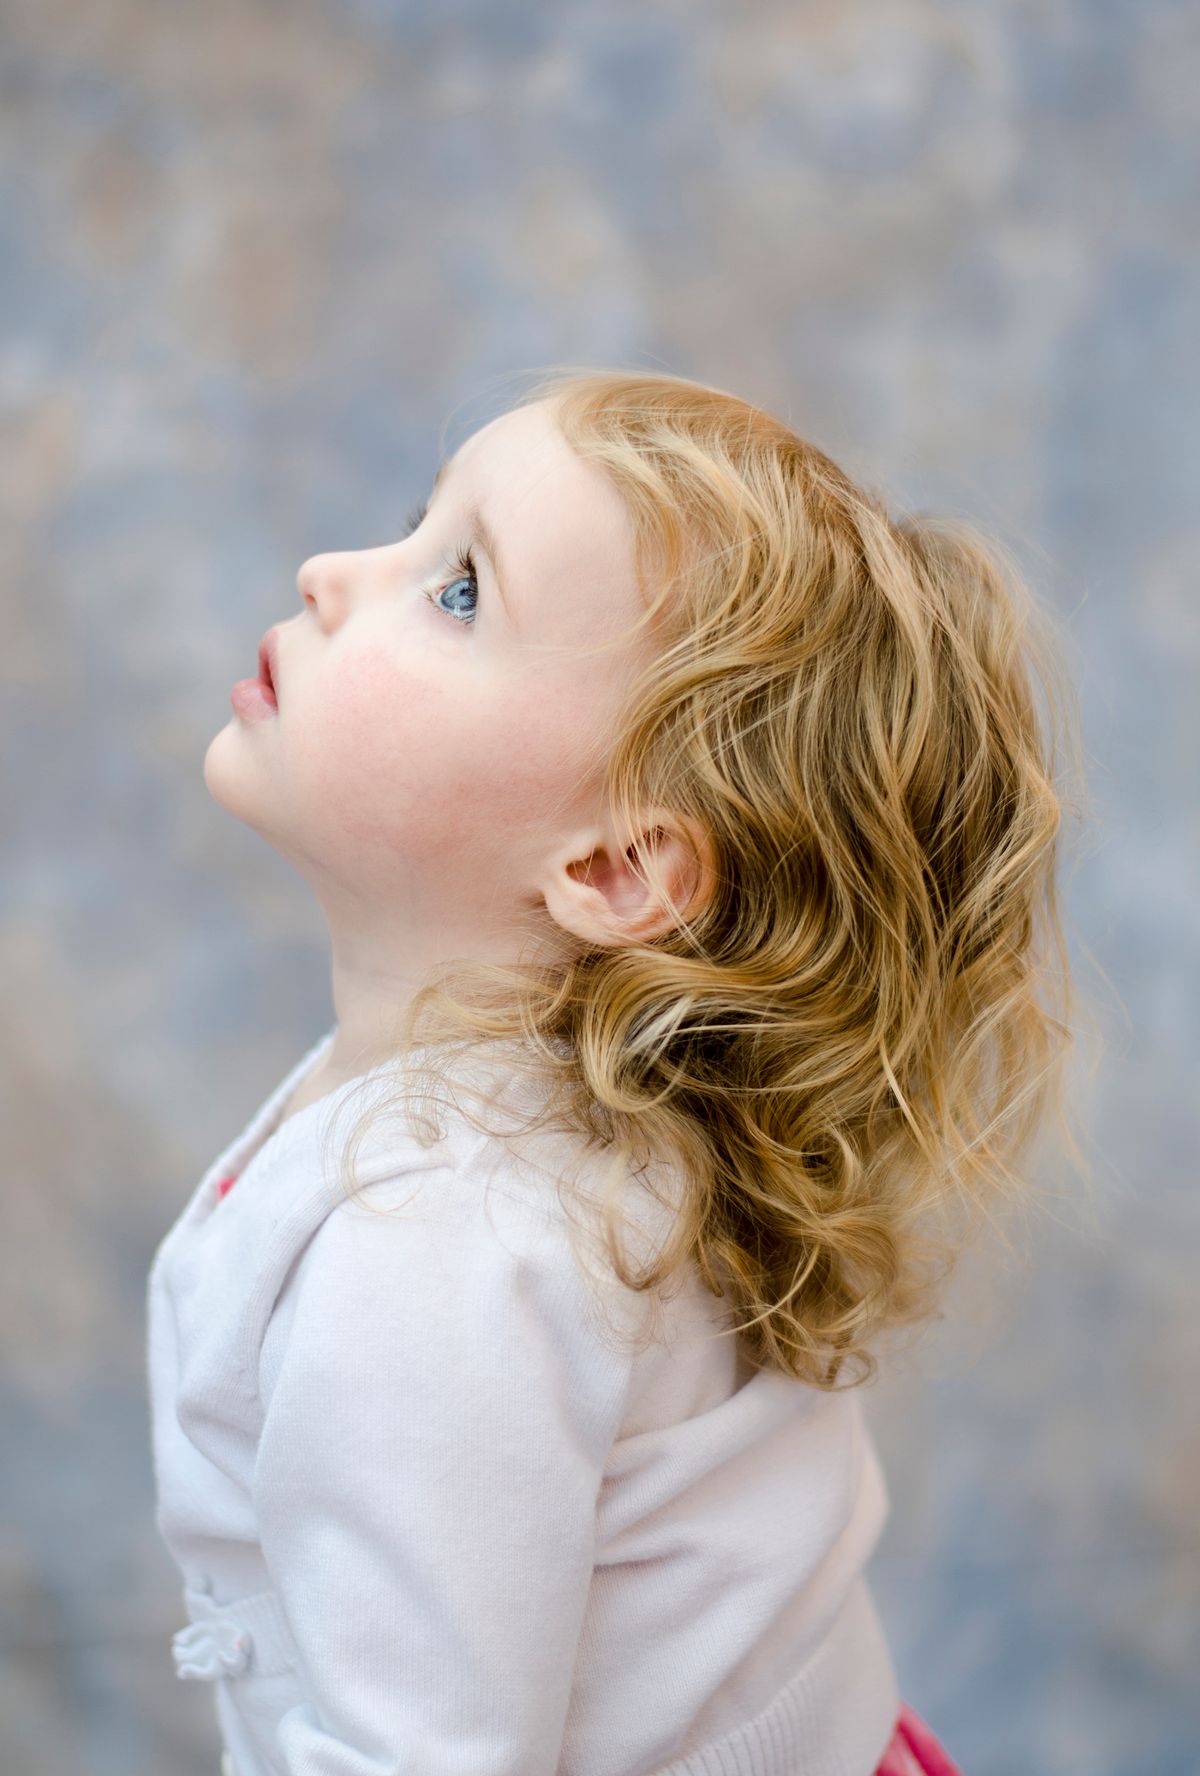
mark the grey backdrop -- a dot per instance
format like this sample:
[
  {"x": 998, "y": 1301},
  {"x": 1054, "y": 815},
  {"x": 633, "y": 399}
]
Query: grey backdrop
[{"x": 255, "y": 259}]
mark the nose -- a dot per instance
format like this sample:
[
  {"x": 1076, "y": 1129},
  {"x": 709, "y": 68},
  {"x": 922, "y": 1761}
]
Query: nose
[
  {"x": 325, "y": 581},
  {"x": 330, "y": 581}
]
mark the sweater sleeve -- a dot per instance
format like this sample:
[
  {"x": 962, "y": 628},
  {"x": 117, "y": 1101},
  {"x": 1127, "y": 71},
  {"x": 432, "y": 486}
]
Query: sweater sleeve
[{"x": 439, "y": 1406}]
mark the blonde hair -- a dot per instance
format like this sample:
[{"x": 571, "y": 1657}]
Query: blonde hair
[{"x": 862, "y": 1025}]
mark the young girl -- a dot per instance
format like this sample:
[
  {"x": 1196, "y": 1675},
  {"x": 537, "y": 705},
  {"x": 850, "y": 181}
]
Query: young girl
[{"x": 685, "y": 830}]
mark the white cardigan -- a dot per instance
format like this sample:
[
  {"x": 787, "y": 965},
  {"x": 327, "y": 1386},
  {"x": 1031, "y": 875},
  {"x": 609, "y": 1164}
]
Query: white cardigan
[{"x": 431, "y": 1521}]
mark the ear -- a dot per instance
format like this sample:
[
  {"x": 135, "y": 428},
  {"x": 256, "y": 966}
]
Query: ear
[{"x": 594, "y": 888}]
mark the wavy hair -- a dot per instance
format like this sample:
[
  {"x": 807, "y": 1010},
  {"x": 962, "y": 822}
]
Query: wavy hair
[{"x": 859, "y": 1028}]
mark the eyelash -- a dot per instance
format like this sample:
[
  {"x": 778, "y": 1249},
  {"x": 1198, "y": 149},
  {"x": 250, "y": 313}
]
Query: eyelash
[{"x": 463, "y": 562}]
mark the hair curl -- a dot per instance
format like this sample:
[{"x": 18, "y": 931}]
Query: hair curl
[{"x": 864, "y": 1022}]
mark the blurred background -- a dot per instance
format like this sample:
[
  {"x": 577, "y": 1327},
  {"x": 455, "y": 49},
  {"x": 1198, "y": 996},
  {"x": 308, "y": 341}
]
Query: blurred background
[{"x": 259, "y": 266}]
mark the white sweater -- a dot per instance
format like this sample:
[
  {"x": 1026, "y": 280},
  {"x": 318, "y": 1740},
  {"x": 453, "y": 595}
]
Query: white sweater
[{"x": 432, "y": 1522}]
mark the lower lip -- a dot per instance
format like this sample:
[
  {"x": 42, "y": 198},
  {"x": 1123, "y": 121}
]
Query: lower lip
[{"x": 253, "y": 700}]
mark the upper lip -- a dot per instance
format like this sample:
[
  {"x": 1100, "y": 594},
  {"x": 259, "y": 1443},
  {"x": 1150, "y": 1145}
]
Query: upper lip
[{"x": 268, "y": 660}]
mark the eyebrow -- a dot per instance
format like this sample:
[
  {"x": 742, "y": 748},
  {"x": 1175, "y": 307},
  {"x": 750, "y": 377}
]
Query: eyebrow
[{"x": 481, "y": 533}]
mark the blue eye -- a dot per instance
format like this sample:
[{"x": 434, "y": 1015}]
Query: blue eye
[
  {"x": 463, "y": 564},
  {"x": 465, "y": 575}
]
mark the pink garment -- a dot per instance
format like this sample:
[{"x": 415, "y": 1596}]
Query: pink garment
[{"x": 912, "y": 1750}]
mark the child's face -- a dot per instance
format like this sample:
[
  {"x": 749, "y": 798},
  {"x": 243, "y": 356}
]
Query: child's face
[{"x": 428, "y": 761}]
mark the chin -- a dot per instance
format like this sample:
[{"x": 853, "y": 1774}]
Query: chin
[{"x": 227, "y": 775}]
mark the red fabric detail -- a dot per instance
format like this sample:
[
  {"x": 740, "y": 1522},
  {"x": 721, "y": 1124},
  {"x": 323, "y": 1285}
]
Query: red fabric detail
[
  {"x": 224, "y": 1184},
  {"x": 913, "y": 1750}
]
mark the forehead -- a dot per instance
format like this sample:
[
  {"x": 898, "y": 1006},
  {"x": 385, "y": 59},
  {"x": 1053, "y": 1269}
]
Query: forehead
[{"x": 516, "y": 447}]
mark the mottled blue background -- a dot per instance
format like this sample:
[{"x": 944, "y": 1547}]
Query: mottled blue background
[{"x": 257, "y": 264}]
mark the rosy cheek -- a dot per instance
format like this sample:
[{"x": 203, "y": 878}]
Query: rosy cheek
[
  {"x": 435, "y": 759},
  {"x": 371, "y": 744}
]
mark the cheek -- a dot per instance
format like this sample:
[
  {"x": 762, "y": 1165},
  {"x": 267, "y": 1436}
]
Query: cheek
[
  {"x": 372, "y": 743},
  {"x": 429, "y": 756}
]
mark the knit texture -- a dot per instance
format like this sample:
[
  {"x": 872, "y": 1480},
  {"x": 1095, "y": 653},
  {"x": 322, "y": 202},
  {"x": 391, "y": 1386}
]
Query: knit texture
[{"x": 431, "y": 1518}]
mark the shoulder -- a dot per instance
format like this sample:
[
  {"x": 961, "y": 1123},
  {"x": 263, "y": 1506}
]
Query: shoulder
[
  {"x": 477, "y": 1219},
  {"x": 464, "y": 1276}
]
